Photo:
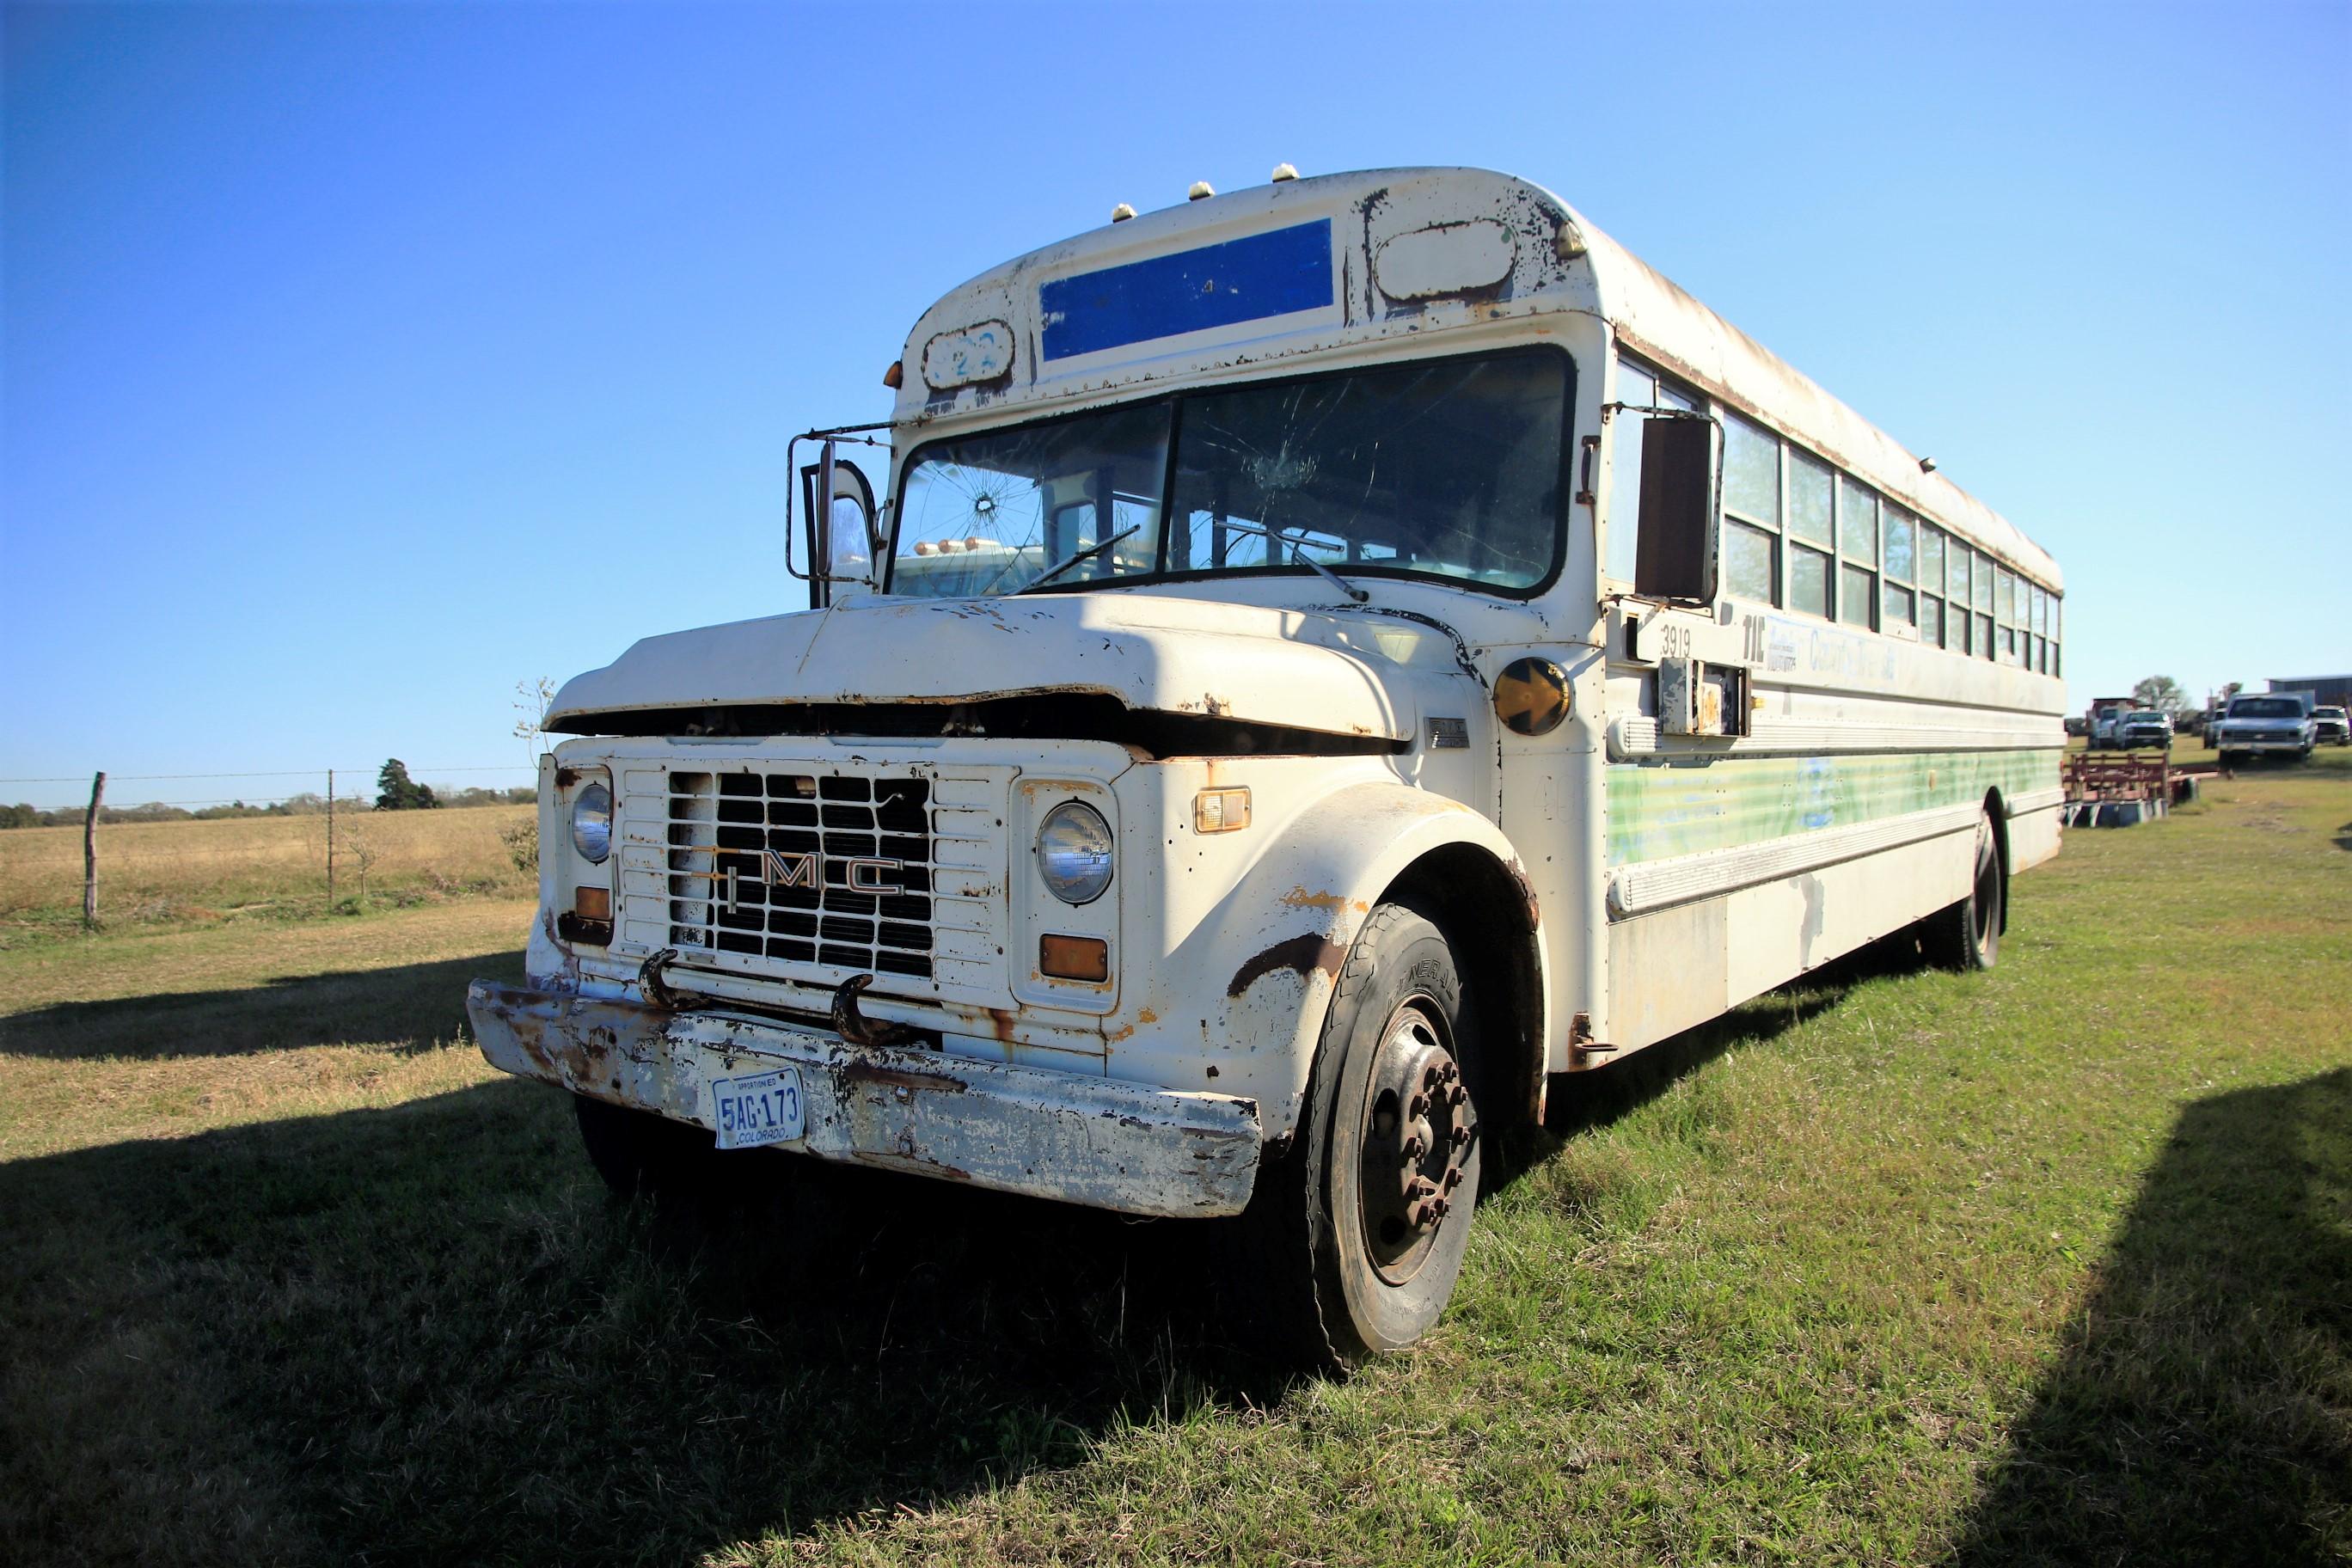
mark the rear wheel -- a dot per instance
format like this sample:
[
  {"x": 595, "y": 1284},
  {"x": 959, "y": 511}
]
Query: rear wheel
[
  {"x": 1355, "y": 1235},
  {"x": 1967, "y": 935}
]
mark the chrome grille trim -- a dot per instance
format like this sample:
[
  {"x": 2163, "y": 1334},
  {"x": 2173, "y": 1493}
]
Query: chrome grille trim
[{"x": 961, "y": 822}]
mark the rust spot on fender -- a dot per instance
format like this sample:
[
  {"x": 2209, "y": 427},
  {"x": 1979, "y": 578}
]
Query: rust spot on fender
[
  {"x": 1527, "y": 893},
  {"x": 1001, "y": 1021},
  {"x": 1147, "y": 1016},
  {"x": 1303, "y": 954}
]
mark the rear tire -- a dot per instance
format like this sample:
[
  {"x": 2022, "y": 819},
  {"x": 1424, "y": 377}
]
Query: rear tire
[
  {"x": 640, "y": 1153},
  {"x": 1354, "y": 1237},
  {"x": 1967, "y": 935}
]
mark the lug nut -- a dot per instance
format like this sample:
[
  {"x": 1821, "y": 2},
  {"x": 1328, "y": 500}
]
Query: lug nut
[
  {"x": 1414, "y": 1148},
  {"x": 1449, "y": 1073},
  {"x": 1457, "y": 1095},
  {"x": 1419, "y": 1107},
  {"x": 1441, "y": 1206},
  {"x": 1423, "y": 1215},
  {"x": 1419, "y": 1188},
  {"x": 1431, "y": 1077},
  {"x": 1458, "y": 1137},
  {"x": 1453, "y": 1177}
]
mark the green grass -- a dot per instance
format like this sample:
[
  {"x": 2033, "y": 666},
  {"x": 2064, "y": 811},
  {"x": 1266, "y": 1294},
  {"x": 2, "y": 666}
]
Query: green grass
[{"x": 1896, "y": 1266}]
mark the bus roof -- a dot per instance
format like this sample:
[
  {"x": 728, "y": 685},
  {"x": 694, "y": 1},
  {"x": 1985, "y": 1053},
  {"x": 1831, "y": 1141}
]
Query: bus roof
[{"x": 1306, "y": 270}]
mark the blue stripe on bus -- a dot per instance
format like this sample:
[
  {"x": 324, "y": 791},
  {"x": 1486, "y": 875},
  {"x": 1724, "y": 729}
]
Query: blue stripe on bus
[{"x": 1272, "y": 274}]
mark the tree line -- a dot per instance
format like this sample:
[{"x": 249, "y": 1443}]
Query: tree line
[{"x": 396, "y": 791}]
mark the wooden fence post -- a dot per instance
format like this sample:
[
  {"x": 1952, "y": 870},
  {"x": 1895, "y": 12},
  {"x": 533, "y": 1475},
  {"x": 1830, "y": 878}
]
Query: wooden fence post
[
  {"x": 331, "y": 840},
  {"x": 89, "y": 853}
]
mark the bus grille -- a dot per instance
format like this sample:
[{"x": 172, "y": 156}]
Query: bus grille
[{"x": 804, "y": 869}]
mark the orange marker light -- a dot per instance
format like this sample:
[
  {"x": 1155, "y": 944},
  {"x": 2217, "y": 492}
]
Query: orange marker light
[
  {"x": 1221, "y": 810},
  {"x": 592, "y": 903},
  {"x": 1074, "y": 958}
]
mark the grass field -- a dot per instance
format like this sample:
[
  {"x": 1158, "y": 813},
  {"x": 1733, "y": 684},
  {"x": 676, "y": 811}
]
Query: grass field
[
  {"x": 1894, "y": 1266},
  {"x": 267, "y": 867}
]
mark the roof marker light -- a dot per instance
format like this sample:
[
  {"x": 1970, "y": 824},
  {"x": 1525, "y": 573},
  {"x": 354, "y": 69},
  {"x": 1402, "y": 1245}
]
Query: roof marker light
[
  {"x": 1200, "y": 190},
  {"x": 1121, "y": 213},
  {"x": 1283, "y": 171},
  {"x": 1926, "y": 465}
]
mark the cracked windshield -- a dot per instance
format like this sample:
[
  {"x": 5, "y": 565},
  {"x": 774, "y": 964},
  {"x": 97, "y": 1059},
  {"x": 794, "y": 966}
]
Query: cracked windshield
[{"x": 1447, "y": 470}]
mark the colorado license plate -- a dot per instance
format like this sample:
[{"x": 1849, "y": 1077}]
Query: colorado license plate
[{"x": 758, "y": 1110}]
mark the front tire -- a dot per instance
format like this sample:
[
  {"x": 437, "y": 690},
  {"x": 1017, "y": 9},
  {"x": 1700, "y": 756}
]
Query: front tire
[
  {"x": 640, "y": 1154},
  {"x": 1355, "y": 1235},
  {"x": 1967, "y": 935}
]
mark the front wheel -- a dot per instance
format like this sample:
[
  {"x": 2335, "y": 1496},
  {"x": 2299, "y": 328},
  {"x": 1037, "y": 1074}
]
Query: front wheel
[
  {"x": 1967, "y": 935},
  {"x": 640, "y": 1153},
  {"x": 1356, "y": 1235}
]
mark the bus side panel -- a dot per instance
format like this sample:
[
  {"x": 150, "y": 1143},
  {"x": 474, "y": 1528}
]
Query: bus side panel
[
  {"x": 2033, "y": 836},
  {"x": 1683, "y": 965}
]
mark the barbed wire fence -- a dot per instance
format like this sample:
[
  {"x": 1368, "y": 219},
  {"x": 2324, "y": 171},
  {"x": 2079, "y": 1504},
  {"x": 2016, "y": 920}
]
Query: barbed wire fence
[{"x": 331, "y": 796}]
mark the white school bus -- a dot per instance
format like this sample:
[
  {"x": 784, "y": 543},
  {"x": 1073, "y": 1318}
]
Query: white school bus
[{"x": 1323, "y": 664}]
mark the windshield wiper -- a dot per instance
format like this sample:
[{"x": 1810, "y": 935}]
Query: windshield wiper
[
  {"x": 1066, "y": 562},
  {"x": 1297, "y": 548}
]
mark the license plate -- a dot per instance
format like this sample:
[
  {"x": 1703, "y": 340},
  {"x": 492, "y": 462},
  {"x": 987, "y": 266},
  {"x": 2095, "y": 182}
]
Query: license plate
[{"x": 755, "y": 1111}]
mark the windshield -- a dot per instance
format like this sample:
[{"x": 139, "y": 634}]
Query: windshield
[
  {"x": 2266, "y": 708},
  {"x": 1450, "y": 469}
]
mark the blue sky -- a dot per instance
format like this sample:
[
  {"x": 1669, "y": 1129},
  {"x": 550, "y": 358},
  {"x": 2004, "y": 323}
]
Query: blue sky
[{"x": 362, "y": 360}]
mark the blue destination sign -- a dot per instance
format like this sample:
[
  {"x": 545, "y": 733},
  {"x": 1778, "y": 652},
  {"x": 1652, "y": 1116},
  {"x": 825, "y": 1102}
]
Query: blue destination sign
[{"x": 1273, "y": 274}]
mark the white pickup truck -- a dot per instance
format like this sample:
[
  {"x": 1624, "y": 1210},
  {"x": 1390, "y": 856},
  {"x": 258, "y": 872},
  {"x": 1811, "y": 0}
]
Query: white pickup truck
[{"x": 2278, "y": 723}]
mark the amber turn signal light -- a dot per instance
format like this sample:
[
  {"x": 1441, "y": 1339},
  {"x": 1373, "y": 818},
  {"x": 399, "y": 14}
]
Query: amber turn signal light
[
  {"x": 1074, "y": 958},
  {"x": 592, "y": 903},
  {"x": 1221, "y": 810}
]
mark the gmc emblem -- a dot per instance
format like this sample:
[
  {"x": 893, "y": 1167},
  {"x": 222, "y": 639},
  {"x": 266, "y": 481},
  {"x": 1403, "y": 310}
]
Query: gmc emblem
[{"x": 800, "y": 868}]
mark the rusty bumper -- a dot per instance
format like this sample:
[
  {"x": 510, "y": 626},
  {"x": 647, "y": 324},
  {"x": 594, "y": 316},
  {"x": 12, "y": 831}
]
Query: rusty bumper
[{"x": 1090, "y": 1141}]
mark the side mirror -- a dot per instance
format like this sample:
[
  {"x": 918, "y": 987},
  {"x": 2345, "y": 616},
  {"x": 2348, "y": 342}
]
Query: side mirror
[
  {"x": 838, "y": 506},
  {"x": 1675, "y": 558}
]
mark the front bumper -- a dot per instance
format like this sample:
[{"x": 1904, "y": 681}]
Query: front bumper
[
  {"x": 1091, "y": 1141},
  {"x": 2260, "y": 744}
]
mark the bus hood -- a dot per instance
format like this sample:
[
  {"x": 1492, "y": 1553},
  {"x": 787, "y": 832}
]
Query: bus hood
[{"x": 1340, "y": 672}]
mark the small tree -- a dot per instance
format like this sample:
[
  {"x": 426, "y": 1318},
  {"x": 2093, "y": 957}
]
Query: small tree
[
  {"x": 532, "y": 699},
  {"x": 2160, "y": 692},
  {"x": 396, "y": 791},
  {"x": 360, "y": 847}
]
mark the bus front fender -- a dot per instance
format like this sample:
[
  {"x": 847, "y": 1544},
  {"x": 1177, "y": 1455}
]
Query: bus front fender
[{"x": 1268, "y": 958}]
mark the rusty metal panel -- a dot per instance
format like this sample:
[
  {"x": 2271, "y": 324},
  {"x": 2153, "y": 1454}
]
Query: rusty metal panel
[{"x": 1056, "y": 1135}]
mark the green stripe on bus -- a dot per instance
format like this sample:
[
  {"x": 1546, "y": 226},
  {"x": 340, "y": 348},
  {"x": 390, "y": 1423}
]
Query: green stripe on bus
[{"x": 1662, "y": 808}]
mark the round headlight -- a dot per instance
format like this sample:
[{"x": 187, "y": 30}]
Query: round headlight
[
  {"x": 1074, "y": 852},
  {"x": 591, "y": 823}
]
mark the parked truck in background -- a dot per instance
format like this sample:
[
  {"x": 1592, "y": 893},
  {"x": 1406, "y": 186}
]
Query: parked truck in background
[
  {"x": 2275, "y": 724},
  {"x": 2099, "y": 721}
]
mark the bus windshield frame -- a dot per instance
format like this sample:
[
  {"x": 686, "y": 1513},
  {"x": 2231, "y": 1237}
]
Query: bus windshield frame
[{"x": 1414, "y": 469}]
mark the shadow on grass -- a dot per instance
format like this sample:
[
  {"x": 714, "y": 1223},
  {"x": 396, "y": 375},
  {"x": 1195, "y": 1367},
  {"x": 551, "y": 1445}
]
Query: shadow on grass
[
  {"x": 424, "y": 1334},
  {"x": 2199, "y": 1411},
  {"x": 409, "y": 1007}
]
